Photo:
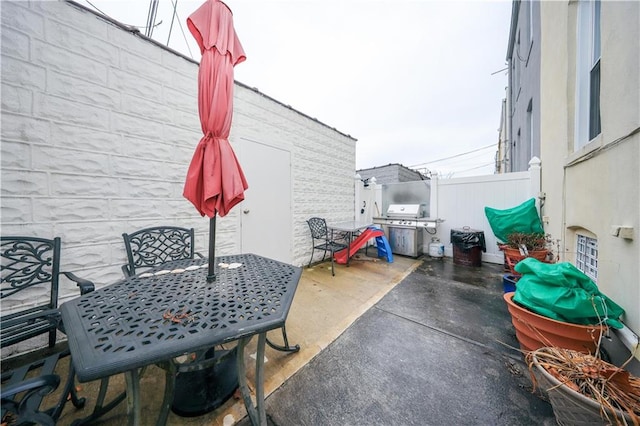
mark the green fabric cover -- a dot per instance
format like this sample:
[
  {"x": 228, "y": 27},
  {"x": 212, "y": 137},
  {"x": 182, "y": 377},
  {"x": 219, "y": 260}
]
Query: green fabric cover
[
  {"x": 562, "y": 292},
  {"x": 522, "y": 218}
]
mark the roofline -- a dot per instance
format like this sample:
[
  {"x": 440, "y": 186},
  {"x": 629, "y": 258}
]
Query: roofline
[
  {"x": 135, "y": 31},
  {"x": 422, "y": 176},
  {"x": 515, "y": 11}
]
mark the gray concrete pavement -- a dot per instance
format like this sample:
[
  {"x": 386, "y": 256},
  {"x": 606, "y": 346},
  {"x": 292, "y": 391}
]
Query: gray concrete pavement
[
  {"x": 411, "y": 342},
  {"x": 433, "y": 351}
]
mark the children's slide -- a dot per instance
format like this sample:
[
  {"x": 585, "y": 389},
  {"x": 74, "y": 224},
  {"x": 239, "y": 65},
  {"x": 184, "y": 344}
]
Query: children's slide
[{"x": 369, "y": 233}]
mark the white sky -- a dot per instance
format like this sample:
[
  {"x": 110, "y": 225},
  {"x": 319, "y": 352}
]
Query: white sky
[{"x": 411, "y": 80}]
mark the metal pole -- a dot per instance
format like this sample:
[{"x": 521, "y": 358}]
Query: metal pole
[{"x": 212, "y": 249}]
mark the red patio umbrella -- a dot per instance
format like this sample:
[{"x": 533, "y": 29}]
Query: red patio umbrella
[{"x": 215, "y": 182}]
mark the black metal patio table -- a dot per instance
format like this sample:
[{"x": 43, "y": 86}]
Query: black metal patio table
[{"x": 153, "y": 317}]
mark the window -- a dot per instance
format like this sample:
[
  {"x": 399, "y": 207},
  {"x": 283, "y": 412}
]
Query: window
[
  {"x": 587, "y": 256},
  {"x": 588, "y": 124}
]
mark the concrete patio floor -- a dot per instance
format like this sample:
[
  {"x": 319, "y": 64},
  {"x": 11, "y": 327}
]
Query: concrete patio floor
[{"x": 416, "y": 341}]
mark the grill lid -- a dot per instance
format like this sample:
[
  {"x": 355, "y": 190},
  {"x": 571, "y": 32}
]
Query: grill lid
[{"x": 405, "y": 211}]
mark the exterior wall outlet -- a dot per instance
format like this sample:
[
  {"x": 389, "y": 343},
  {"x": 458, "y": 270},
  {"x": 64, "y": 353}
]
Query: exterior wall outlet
[{"x": 626, "y": 232}]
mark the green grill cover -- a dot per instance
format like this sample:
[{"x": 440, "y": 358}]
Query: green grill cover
[
  {"x": 522, "y": 218},
  {"x": 562, "y": 292}
]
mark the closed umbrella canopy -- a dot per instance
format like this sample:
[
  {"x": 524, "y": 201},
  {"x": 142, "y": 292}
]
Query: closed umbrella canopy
[{"x": 215, "y": 181}]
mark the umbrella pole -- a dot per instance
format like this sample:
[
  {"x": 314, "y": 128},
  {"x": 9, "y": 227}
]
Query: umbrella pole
[{"x": 212, "y": 249}]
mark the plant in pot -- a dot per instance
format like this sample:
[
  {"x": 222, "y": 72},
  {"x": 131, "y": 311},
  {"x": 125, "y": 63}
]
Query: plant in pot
[
  {"x": 520, "y": 245},
  {"x": 583, "y": 389}
]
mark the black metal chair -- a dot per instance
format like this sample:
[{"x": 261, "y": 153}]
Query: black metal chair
[
  {"x": 30, "y": 269},
  {"x": 323, "y": 239},
  {"x": 154, "y": 246}
]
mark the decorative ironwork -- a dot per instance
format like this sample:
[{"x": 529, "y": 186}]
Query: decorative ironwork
[
  {"x": 155, "y": 315},
  {"x": 32, "y": 265},
  {"x": 320, "y": 232},
  {"x": 154, "y": 246},
  {"x": 26, "y": 262}
]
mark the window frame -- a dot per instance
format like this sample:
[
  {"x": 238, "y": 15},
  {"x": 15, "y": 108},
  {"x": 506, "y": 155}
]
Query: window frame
[
  {"x": 587, "y": 90},
  {"x": 587, "y": 256}
]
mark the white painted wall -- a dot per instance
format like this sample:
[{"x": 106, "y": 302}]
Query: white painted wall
[
  {"x": 99, "y": 126},
  {"x": 460, "y": 202}
]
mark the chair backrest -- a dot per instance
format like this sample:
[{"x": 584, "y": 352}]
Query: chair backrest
[
  {"x": 318, "y": 227},
  {"x": 30, "y": 266},
  {"x": 153, "y": 246}
]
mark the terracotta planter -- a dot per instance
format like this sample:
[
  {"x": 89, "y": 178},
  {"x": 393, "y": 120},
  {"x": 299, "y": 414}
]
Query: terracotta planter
[
  {"x": 512, "y": 257},
  {"x": 535, "y": 331},
  {"x": 571, "y": 407},
  {"x": 515, "y": 254}
]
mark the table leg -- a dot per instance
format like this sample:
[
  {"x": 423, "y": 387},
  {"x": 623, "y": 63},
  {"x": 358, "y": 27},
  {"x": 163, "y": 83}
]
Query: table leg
[
  {"x": 286, "y": 347},
  {"x": 170, "y": 371},
  {"x": 257, "y": 413},
  {"x": 100, "y": 409},
  {"x": 349, "y": 247},
  {"x": 132, "y": 377},
  {"x": 260, "y": 379}
]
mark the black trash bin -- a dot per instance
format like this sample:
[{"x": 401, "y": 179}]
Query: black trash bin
[{"x": 468, "y": 245}]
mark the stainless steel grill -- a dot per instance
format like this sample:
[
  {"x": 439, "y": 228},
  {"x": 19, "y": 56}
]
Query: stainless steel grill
[{"x": 404, "y": 224}]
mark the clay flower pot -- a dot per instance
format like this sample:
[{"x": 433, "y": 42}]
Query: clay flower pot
[
  {"x": 512, "y": 256},
  {"x": 534, "y": 331}
]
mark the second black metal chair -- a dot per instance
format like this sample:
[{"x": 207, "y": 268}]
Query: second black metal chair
[
  {"x": 324, "y": 239},
  {"x": 154, "y": 246}
]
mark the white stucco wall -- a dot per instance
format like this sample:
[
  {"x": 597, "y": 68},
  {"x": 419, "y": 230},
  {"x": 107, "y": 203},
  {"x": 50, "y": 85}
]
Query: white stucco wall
[
  {"x": 596, "y": 187},
  {"x": 99, "y": 126}
]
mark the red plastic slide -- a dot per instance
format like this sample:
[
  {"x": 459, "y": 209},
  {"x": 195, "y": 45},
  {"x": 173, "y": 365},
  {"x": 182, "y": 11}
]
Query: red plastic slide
[{"x": 341, "y": 256}]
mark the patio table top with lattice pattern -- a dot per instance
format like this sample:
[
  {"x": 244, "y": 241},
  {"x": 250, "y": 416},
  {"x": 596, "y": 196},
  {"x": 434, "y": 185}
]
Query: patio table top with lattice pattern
[{"x": 172, "y": 310}]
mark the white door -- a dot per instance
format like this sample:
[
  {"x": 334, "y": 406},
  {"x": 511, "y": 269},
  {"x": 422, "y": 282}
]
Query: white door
[{"x": 266, "y": 214}]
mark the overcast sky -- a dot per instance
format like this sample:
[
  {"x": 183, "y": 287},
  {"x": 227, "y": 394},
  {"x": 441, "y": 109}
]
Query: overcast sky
[{"x": 412, "y": 81}]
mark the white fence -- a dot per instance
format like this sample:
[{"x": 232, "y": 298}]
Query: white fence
[{"x": 460, "y": 202}]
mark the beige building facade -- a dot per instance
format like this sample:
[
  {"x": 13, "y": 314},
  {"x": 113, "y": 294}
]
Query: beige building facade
[{"x": 590, "y": 143}]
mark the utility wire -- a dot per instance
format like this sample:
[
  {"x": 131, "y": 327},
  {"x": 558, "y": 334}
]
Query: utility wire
[
  {"x": 96, "y": 8},
  {"x": 151, "y": 17},
  {"x": 173, "y": 17},
  {"x": 112, "y": 18},
  {"x": 184, "y": 36},
  {"x": 451, "y": 173},
  {"x": 454, "y": 156},
  {"x": 476, "y": 167},
  {"x": 469, "y": 159}
]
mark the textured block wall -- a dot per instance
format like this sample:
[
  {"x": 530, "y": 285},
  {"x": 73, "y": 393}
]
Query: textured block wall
[
  {"x": 322, "y": 161},
  {"x": 98, "y": 128}
]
